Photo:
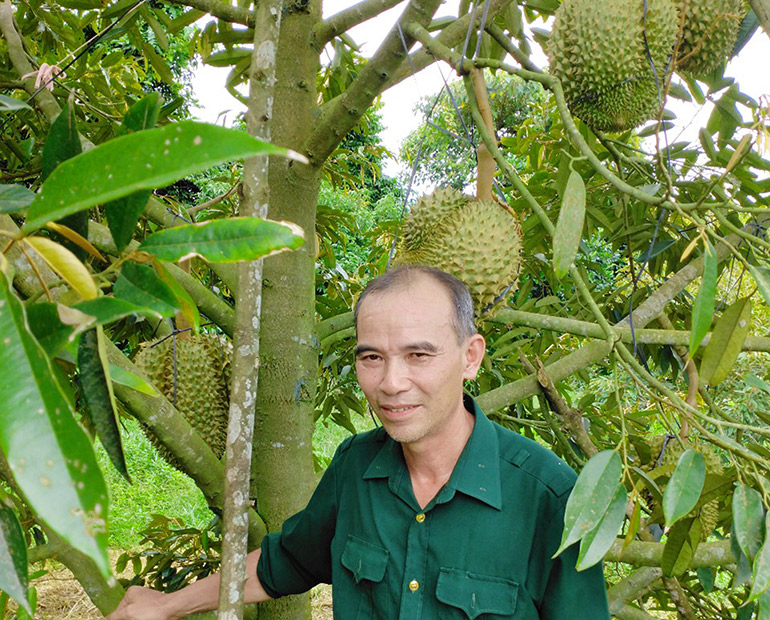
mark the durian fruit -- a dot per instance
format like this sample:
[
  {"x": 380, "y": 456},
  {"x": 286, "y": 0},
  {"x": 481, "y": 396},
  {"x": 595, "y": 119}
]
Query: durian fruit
[
  {"x": 201, "y": 390},
  {"x": 597, "y": 50},
  {"x": 709, "y": 34},
  {"x": 478, "y": 242},
  {"x": 709, "y": 513}
]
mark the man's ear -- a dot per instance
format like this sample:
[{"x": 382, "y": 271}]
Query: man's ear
[{"x": 475, "y": 347}]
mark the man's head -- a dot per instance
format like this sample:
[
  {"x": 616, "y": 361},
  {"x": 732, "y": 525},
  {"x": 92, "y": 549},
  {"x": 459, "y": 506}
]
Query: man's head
[
  {"x": 413, "y": 353},
  {"x": 406, "y": 275}
]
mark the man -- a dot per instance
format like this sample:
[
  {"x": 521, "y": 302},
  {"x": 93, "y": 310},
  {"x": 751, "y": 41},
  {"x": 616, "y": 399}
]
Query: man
[{"x": 438, "y": 514}]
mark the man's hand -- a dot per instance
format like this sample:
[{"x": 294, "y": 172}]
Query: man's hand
[{"x": 142, "y": 604}]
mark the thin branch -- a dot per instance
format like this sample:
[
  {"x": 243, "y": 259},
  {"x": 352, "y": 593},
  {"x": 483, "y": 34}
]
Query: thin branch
[
  {"x": 343, "y": 21},
  {"x": 632, "y": 587},
  {"x": 214, "y": 201},
  {"x": 221, "y": 10}
]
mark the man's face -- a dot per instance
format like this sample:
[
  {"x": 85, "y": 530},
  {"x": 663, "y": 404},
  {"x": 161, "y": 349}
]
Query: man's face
[{"x": 409, "y": 362}]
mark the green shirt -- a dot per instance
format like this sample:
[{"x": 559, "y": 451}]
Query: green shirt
[{"x": 481, "y": 549}]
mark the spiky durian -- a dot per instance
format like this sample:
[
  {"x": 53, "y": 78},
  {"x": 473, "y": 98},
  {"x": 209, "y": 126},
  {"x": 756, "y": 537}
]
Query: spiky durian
[
  {"x": 709, "y": 33},
  {"x": 201, "y": 389},
  {"x": 477, "y": 242},
  {"x": 708, "y": 513},
  {"x": 599, "y": 51}
]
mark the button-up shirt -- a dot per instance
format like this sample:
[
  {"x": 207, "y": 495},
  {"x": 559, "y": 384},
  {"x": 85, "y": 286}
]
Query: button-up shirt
[{"x": 482, "y": 548}]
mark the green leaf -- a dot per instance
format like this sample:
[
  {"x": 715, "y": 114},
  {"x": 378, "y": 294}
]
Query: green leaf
[
  {"x": 158, "y": 63},
  {"x": 763, "y": 607},
  {"x": 748, "y": 518},
  {"x": 707, "y": 142},
  {"x": 110, "y": 309},
  {"x": 703, "y": 308},
  {"x": 683, "y": 540},
  {"x": 761, "y": 572},
  {"x": 756, "y": 382},
  {"x": 13, "y": 558},
  {"x": 50, "y": 456},
  {"x": 129, "y": 379},
  {"x": 706, "y": 577},
  {"x": 97, "y": 391},
  {"x": 761, "y": 276},
  {"x": 569, "y": 226},
  {"x": 684, "y": 488},
  {"x": 141, "y": 160},
  {"x": 9, "y": 104},
  {"x": 142, "y": 115},
  {"x": 184, "y": 301},
  {"x": 14, "y": 198},
  {"x": 47, "y": 328},
  {"x": 597, "y": 542},
  {"x": 224, "y": 241},
  {"x": 141, "y": 286},
  {"x": 594, "y": 492},
  {"x": 62, "y": 143},
  {"x": 123, "y": 213},
  {"x": 726, "y": 342}
]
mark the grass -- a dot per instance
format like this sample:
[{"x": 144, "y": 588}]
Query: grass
[{"x": 158, "y": 488}]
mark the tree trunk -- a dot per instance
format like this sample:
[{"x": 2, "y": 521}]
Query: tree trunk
[{"x": 282, "y": 460}]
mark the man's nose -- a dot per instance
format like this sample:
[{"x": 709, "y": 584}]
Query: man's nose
[{"x": 395, "y": 377}]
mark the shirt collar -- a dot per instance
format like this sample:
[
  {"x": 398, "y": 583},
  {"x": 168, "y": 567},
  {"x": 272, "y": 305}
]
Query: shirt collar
[{"x": 476, "y": 474}]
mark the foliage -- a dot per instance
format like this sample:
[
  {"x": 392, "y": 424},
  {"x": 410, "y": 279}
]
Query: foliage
[
  {"x": 176, "y": 555},
  {"x": 442, "y": 150}
]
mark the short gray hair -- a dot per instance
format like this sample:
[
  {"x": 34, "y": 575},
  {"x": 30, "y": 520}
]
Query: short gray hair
[{"x": 463, "y": 320}]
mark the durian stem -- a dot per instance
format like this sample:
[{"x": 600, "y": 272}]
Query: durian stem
[{"x": 485, "y": 162}]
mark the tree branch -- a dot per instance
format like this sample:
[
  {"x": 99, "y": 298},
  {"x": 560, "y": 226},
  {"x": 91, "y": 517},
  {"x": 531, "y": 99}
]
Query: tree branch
[
  {"x": 343, "y": 21},
  {"x": 44, "y": 101},
  {"x": 450, "y": 36},
  {"x": 246, "y": 340},
  {"x": 639, "y": 553},
  {"x": 342, "y": 113},
  {"x": 632, "y": 588},
  {"x": 221, "y": 10},
  {"x": 342, "y": 324}
]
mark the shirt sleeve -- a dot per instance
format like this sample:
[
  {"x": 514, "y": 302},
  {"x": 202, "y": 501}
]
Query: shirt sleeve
[
  {"x": 569, "y": 594},
  {"x": 299, "y": 557}
]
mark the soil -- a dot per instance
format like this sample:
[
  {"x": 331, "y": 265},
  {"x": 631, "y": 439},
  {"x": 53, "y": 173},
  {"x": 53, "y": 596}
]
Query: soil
[{"x": 60, "y": 597}]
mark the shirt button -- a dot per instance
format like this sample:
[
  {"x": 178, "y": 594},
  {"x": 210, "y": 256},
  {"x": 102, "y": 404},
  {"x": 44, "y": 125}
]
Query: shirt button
[
  {"x": 414, "y": 585},
  {"x": 420, "y": 518}
]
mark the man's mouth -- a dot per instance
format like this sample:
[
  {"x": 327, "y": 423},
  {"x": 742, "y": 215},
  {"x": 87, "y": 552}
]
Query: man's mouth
[{"x": 397, "y": 410}]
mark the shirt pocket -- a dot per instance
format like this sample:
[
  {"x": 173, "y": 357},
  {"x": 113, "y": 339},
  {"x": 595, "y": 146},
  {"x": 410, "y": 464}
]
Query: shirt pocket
[
  {"x": 367, "y": 563},
  {"x": 476, "y": 596}
]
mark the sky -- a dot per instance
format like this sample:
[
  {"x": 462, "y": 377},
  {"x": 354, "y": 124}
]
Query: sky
[{"x": 749, "y": 68}]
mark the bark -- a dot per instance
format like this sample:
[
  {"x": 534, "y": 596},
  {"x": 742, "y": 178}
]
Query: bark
[
  {"x": 631, "y": 588},
  {"x": 639, "y": 553},
  {"x": 106, "y": 595},
  {"x": 221, "y": 10},
  {"x": 282, "y": 470},
  {"x": 256, "y": 194}
]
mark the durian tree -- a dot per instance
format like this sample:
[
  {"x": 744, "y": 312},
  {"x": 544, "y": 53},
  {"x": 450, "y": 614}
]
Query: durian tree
[{"x": 673, "y": 489}]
